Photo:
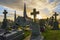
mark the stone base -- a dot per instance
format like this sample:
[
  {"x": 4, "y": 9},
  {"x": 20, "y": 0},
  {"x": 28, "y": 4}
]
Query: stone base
[{"x": 38, "y": 38}]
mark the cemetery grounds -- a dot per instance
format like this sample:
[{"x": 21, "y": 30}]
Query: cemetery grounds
[{"x": 51, "y": 34}]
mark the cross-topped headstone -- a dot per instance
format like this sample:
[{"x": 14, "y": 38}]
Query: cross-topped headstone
[
  {"x": 4, "y": 23},
  {"x": 34, "y": 14},
  {"x": 5, "y": 12},
  {"x": 55, "y": 16},
  {"x": 56, "y": 24}
]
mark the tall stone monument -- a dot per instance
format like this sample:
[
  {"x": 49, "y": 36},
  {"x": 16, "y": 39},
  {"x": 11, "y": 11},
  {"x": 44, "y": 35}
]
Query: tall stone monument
[
  {"x": 4, "y": 23},
  {"x": 24, "y": 13},
  {"x": 15, "y": 24},
  {"x": 35, "y": 28},
  {"x": 15, "y": 17},
  {"x": 34, "y": 13},
  {"x": 55, "y": 15},
  {"x": 56, "y": 24}
]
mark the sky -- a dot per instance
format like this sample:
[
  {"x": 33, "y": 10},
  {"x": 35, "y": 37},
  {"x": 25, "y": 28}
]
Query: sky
[{"x": 46, "y": 8}]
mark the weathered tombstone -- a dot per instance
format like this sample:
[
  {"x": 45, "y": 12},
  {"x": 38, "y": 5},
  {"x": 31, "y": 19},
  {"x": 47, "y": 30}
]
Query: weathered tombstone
[
  {"x": 35, "y": 28},
  {"x": 35, "y": 31},
  {"x": 4, "y": 24},
  {"x": 56, "y": 24},
  {"x": 34, "y": 14}
]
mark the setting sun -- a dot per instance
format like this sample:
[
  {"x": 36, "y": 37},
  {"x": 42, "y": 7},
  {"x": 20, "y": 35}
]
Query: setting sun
[{"x": 39, "y": 17}]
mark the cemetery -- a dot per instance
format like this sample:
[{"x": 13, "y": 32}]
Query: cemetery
[{"x": 22, "y": 27}]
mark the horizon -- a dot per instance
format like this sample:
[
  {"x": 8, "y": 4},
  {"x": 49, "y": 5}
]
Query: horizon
[{"x": 45, "y": 7}]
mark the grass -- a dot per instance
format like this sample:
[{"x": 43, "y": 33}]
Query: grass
[
  {"x": 26, "y": 33},
  {"x": 51, "y": 34}
]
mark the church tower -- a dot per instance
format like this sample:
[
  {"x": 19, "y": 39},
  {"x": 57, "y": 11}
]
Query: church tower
[{"x": 25, "y": 15}]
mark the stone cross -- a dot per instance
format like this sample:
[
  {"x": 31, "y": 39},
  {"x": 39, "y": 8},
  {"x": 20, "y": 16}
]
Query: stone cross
[
  {"x": 55, "y": 16},
  {"x": 34, "y": 14},
  {"x": 5, "y": 12},
  {"x": 56, "y": 24},
  {"x": 4, "y": 23}
]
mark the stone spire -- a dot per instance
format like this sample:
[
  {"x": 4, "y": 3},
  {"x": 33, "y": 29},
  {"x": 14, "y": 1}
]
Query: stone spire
[
  {"x": 25, "y": 15},
  {"x": 15, "y": 16}
]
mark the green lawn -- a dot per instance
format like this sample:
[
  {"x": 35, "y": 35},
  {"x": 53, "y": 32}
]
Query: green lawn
[
  {"x": 26, "y": 33},
  {"x": 51, "y": 34}
]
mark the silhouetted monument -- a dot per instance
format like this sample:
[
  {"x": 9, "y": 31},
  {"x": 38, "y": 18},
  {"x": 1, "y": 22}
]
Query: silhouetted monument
[
  {"x": 15, "y": 24},
  {"x": 35, "y": 28},
  {"x": 55, "y": 16},
  {"x": 4, "y": 24},
  {"x": 56, "y": 24},
  {"x": 24, "y": 14},
  {"x": 15, "y": 17},
  {"x": 34, "y": 14}
]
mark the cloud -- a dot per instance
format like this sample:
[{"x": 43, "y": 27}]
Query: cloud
[
  {"x": 10, "y": 14},
  {"x": 44, "y": 6},
  {"x": 12, "y": 3},
  {"x": 57, "y": 8}
]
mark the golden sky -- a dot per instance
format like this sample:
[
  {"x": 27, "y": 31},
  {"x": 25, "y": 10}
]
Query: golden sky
[{"x": 45, "y": 7}]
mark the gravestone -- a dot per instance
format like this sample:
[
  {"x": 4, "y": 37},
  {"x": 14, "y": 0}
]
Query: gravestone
[
  {"x": 4, "y": 23},
  {"x": 35, "y": 28},
  {"x": 56, "y": 24},
  {"x": 35, "y": 35},
  {"x": 55, "y": 16}
]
